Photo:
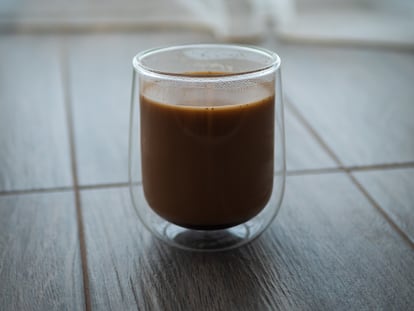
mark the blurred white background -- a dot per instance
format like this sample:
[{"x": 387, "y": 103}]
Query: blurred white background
[{"x": 377, "y": 22}]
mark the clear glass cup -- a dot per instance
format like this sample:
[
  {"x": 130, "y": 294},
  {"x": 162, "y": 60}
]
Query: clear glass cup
[{"x": 206, "y": 144}]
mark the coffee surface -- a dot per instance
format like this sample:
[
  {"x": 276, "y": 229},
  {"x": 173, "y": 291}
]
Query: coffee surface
[{"x": 207, "y": 156}]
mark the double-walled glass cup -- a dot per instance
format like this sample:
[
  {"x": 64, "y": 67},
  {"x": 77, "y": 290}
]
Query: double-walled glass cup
[{"x": 206, "y": 145}]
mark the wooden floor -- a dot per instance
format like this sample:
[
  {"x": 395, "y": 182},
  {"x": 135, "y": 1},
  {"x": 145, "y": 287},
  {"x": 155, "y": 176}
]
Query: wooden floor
[{"x": 69, "y": 239}]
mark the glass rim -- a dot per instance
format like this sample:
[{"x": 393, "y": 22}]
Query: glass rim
[{"x": 274, "y": 65}]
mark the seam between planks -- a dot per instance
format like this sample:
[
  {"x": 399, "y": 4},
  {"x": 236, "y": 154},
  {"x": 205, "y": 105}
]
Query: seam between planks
[
  {"x": 35, "y": 190},
  {"x": 64, "y": 67},
  {"x": 313, "y": 171},
  {"x": 348, "y": 172}
]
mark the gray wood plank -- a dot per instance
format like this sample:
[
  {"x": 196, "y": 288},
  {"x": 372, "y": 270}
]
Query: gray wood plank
[
  {"x": 393, "y": 190},
  {"x": 40, "y": 266},
  {"x": 359, "y": 101},
  {"x": 327, "y": 250},
  {"x": 302, "y": 150},
  {"x": 34, "y": 150}
]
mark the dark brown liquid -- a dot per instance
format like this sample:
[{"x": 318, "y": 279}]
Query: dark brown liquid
[{"x": 207, "y": 167}]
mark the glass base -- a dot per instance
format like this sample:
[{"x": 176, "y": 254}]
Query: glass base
[{"x": 202, "y": 240}]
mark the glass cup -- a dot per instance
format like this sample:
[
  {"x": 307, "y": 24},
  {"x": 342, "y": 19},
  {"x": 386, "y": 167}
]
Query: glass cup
[{"x": 206, "y": 144}]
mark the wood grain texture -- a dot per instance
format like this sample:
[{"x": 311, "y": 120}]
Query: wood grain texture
[
  {"x": 359, "y": 101},
  {"x": 393, "y": 190},
  {"x": 101, "y": 78},
  {"x": 40, "y": 265},
  {"x": 34, "y": 149},
  {"x": 302, "y": 150},
  {"x": 327, "y": 250}
]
